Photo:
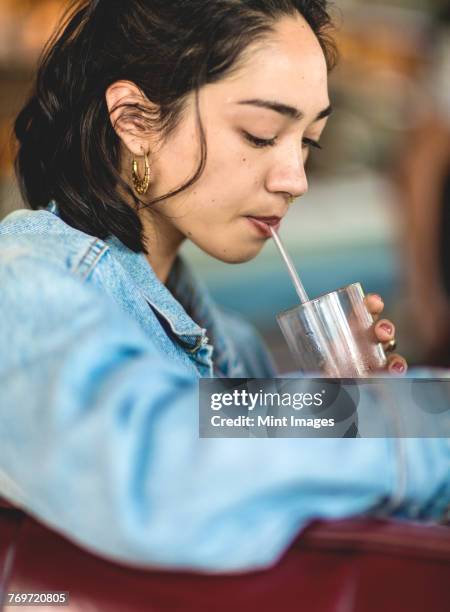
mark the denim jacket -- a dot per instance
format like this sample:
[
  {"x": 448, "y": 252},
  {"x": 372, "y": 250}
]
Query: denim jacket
[{"x": 99, "y": 369}]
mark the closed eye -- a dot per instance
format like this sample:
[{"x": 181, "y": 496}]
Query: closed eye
[
  {"x": 270, "y": 142},
  {"x": 259, "y": 142},
  {"x": 308, "y": 142}
]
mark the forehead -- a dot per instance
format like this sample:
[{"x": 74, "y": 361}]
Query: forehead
[{"x": 289, "y": 65}]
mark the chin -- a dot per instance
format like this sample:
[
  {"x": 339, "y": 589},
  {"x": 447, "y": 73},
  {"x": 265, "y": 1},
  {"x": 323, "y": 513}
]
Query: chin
[
  {"x": 235, "y": 260},
  {"x": 236, "y": 257},
  {"x": 234, "y": 250}
]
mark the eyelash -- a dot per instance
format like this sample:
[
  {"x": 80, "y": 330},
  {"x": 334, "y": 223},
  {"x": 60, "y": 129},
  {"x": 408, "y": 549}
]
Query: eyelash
[{"x": 262, "y": 143}]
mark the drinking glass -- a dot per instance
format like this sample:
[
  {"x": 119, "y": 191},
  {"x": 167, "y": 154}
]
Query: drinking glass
[{"x": 332, "y": 335}]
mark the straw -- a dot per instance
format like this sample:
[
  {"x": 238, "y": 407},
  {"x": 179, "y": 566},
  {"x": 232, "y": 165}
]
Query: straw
[{"x": 291, "y": 269}]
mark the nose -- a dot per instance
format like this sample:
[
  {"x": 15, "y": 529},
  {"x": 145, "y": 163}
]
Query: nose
[{"x": 288, "y": 175}]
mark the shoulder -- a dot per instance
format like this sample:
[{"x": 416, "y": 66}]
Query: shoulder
[
  {"x": 44, "y": 238},
  {"x": 42, "y": 267},
  {"x": 48, "y": 302},
  {"x": 47, "y": 269}
]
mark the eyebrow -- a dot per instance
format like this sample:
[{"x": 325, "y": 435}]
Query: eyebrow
[{"x": 285, "y": 109}]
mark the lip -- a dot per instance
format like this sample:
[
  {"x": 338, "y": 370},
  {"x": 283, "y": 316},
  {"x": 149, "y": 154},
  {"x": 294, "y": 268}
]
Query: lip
[{"x": 263, "y": 224}]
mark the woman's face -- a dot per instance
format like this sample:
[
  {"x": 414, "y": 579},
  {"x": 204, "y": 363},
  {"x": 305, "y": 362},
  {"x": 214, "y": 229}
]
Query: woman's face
[{"x": 255, "y": 154}]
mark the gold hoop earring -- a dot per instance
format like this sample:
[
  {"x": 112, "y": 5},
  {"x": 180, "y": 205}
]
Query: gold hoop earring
[{"x": 141, "y": 184}]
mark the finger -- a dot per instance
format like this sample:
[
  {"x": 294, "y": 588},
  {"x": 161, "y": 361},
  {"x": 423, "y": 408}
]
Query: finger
[
  {"x": 384, "y": 330},
  {"x": 374, "y": 303},
  {"x": 396, "y": 364}
]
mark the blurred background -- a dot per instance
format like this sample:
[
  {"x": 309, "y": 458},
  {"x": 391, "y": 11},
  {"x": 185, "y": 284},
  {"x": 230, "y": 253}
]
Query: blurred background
[{"x": 378, "y": 207}]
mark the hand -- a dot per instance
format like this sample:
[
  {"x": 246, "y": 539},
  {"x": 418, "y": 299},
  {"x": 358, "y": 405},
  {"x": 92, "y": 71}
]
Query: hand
[{"x": 384, "y": 331}]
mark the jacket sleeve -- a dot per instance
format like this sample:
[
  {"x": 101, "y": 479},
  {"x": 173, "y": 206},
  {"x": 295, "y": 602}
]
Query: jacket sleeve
[{"x": 99, "y": 440}]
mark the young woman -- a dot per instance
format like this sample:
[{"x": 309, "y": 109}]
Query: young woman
[{"x": 153, "y": 122}]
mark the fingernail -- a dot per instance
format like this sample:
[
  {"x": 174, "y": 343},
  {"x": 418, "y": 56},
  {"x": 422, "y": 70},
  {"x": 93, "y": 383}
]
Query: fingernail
[
  {"x": 378, "y": 297},
  {"x": 387, "y": 328},
  {"x": 398, "y": 366}
]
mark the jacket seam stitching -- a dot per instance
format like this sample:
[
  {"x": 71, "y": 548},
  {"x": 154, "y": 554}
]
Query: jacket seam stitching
[{"x": 90, "y": 266}]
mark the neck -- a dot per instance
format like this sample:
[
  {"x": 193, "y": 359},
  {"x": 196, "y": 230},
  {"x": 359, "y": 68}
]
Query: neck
[{"x": 163, "y": 242}]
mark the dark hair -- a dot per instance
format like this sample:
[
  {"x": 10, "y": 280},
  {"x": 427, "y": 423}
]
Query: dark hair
[{"x": 68, "y": 149}]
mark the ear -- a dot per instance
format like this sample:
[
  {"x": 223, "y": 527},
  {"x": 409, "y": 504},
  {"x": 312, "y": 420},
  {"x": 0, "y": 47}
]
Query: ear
[{"x": 129, "y": 123}]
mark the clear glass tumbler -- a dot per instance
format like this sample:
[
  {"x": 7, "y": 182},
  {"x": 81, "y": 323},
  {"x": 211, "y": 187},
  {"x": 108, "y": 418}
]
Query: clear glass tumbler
[{"x": 333, "y": 336}]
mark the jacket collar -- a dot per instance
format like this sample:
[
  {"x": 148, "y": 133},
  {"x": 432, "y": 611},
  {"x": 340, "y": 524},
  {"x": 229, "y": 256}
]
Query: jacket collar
[
  {"x": 184, "y": 292},
  {"x": 195, "y": 297},
  {"x": 154, "y": 291}
]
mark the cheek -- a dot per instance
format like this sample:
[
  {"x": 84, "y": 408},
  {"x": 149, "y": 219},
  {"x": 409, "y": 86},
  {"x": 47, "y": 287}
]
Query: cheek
[
  {"x": 230, "y": 179},
  {"x": 176, "y": 161},
  {"x": 224, "y": 190},
  {"x": 230, "y": 159}
]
